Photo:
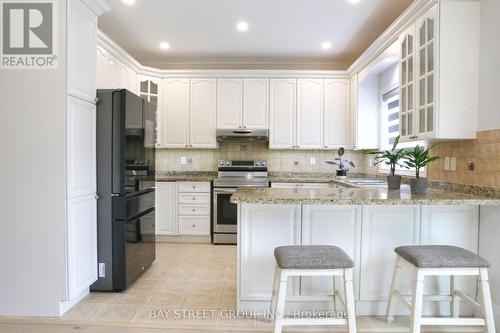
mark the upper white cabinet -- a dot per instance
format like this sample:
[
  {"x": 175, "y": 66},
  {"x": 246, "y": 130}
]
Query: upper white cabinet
[
  {"x": 439, "y": 73},
  {"x": 82, "y": 24},
  {"x": 113, "y": 74},
  {"x": 336, "y": 115},
  {"x": 149, "y": 88},
  {"x": 256, "y": 103},
  {"x": 188, "y": 113},
  {"x": 242, "y": 103},
  {"x": 174, "y": 115},
  {"x": 309, "y": 114},
  {"x": 203, "y": 108},
  {"x": 229, "y": 103},
  {"x": 283, "y": 109}
]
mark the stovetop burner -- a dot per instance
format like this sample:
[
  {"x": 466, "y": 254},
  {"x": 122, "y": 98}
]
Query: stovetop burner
[{"x": 241, "y": 173}]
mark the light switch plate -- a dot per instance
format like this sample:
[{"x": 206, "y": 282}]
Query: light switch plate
[
  {"x": 312, "y": 161},
  {"x": 447, "y": 163},
  {"x": 183, "y": 160},
  {"x": 453, "y": 163}
]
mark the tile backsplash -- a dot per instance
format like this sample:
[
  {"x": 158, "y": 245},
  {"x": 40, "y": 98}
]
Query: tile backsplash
[
  {"x": 168, "y": 160},
  {"x": 483, "y": 152}
]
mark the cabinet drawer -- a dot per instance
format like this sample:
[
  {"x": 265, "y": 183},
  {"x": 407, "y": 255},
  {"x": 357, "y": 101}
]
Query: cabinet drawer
[
  {"x": 194, "y": 198},
  {"x": 194, "y": 210},
  {"x": 194, "y": 225},
  {"x": 198, "y": 187}
]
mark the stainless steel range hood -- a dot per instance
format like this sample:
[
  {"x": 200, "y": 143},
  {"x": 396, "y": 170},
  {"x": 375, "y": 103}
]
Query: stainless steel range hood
[{"x": 242, "y": 135}]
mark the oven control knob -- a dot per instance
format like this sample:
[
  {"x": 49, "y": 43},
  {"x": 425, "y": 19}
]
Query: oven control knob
[
  {"x": 263, "y": 163},
  {"x": 221, "y": 162},
  {"x": 257, "y": 163},
  {"x": 228, "y": 163}
]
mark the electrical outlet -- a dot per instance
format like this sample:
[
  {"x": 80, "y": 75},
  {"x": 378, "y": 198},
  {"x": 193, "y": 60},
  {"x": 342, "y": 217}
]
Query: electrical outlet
[
  {"x": 102, "y": 270},
  {"x": 243, "y": 148},
  {"x": 312, "y": 161},
  {"x": 471, "y": 165},
  {"x": 447, "y": 163},
  {"x": 189, "y": 160},
  {"x": 183, "y": 160},
  {"x": 453, "y": 164}
]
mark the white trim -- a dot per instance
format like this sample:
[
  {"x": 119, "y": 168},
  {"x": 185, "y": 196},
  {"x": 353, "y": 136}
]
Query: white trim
[
  {"x": 98, "y": 7},
  {"x": 389, "y": 36}
]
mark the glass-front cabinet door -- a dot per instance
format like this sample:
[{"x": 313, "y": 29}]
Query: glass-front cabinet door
[
  {"x": 427, "y": 33},
  {"x": 407, "y": 83}
]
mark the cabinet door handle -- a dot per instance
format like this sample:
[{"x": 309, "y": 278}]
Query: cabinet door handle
[
  {"x": 194, "y": 198},
  {"x": 194, "y": 210},
  {"x": 413, "y": 137},
  {"x": 194, "y": 225},
  {"x": 326, "y": 146},
  {"x": 194, "y": 186}
]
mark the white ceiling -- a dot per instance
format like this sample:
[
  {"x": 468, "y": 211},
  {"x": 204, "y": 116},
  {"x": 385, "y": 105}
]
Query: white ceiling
[{"x": 202, "y": 33}]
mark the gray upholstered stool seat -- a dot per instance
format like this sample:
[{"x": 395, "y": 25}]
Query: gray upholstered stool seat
[
  {"x": 440, "y": 256},
  {"x": 312, "y": 257}
]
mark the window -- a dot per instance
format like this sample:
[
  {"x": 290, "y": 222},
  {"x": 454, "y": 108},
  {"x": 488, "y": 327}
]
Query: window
[{"x": 390, "y": 130}]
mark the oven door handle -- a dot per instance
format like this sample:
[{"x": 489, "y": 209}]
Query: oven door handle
[{"x": 226, "y": 191}]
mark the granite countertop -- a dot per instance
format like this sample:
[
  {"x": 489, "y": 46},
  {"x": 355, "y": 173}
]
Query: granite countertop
[
  {"x": 195, "y": 176},
  {"x": 340, "y": 195}
]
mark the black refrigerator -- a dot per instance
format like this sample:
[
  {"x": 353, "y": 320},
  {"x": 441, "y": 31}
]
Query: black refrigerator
[{"x": 125, "y": 186}]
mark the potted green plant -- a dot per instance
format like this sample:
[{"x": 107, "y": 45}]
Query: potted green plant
[
  {"x": 342, "y": 164},
  {"x": 418, "y": 158},
  {"x": 392, "y": 158}
]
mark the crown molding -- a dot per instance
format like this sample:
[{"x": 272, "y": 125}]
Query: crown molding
[
  {"x": 98, "y": 7},
  {"x": 391, "y": 34},
  {"x": 388, "y": 37}
]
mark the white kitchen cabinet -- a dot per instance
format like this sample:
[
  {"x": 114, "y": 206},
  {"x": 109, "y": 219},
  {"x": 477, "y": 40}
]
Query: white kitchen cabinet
[
  {"x": 229, "y": 103},
  {"x": 194, "y": 208},
  {"x": 194, "y": 225},
  {"x": 81, "y": 147},
  {"x": 336, "y": 113},
  {"x": 255, "y": 103},
  {"x": 82, "y": 244},
  {"x": 331, "y": 225},
  {"x": 383, "y": 229},
  {"x": 353, "y": 114},
  {"x": 309, "y": 114},
  {"x": 202, "y": 114},
  {"x": 166, "y": 208},
  {"x": 81, "y": 62},
  {"x": 257, "y": 246},
  {"x": 174, "y": 114},
  {"x": 283, "y": 109},
  {"x": 440, "y": 71}
]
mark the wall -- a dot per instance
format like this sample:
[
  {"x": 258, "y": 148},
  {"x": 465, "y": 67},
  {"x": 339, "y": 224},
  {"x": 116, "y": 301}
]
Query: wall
[
  {"x": 168, "y": 160},
  {"x": 489, "y": 66},
  {"x": 484, "y": 152},
  {"x": 32, "y": 190}
]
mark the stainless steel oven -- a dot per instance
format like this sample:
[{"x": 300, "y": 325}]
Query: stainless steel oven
[{"x": 231, "y": 175}]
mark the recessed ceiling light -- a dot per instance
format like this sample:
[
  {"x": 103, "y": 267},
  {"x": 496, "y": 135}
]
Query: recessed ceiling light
[
  {"x": 326, "y": 45},
  {"x": 164, "y": 45},
  {"x": 354, "y": 1},
  {"x": 111, "y": 62},
  {"x": 242, "y": 26},
  {"x": 128, "y": 2}
]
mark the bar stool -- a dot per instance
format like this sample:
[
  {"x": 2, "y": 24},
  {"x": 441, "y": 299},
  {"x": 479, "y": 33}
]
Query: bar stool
[
  {"x": 311, "y": 260},
  {"x": 439, "y": 260}
]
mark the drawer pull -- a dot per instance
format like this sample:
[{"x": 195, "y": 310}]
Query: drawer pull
[
  {"x": 194, "y": 186},
  {"x": 194, "y": 210},
  {"x": 194, "y": 225},
  {"x": 194, "y": 198}
]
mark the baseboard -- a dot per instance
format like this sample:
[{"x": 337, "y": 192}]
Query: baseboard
[
  {"x": 64, "y": 306},
  {"x": 183, "y": 239}
]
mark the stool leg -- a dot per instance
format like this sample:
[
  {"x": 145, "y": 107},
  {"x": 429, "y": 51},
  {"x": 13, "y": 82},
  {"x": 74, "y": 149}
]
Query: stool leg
[
  {"x": 349, "y": 300},
  {"x": 390, "y": 303},
  {"x": 418, "y": 297},
  {"x": 486, "y": 300},
  {"x": 274, "y": 295},
  {"x": 455, "y": 300},
  {"x": 280, "y": 308}
]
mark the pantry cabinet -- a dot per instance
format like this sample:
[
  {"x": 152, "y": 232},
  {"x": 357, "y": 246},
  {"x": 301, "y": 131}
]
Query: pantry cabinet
[
  {"x": 113, "y": 74},
  {"x": 439, "y": 73}
]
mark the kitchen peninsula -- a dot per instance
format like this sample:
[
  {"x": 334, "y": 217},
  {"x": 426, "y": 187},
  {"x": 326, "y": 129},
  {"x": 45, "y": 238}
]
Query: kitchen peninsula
[{"x": 367, "y": 223}]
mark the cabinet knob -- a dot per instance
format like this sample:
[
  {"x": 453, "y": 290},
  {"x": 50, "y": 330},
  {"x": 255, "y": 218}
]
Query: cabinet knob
[
  {"x": 413, "y": 137},
  {"x": 194, "y": 210},
  {"x": 194, "y": 186},
  {"x": 326, "y": 146},
  {"x": 194, "y": 226},
  {"x": 194, "y": 198}
]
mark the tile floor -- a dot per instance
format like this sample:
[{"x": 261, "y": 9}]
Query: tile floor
[{"x": 189, "y": 287}]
